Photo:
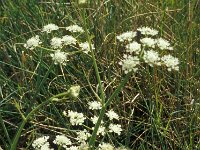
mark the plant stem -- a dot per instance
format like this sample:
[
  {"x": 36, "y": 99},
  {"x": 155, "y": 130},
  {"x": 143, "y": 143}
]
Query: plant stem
[
  {"x": 93, "y": 59},
  {"x": 4, "y": 128},
  {"x": 17, "y": 136}
]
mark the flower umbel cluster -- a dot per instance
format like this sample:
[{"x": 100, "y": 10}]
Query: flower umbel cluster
[
  {"x": 144, "y": 47},
  {"x": 62, "y": 45},
  {"x": 41, "y": 143},
  {"x": 32, "y": 42}
]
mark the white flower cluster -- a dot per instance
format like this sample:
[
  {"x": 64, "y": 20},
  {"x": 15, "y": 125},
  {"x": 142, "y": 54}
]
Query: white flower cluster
[
  {"x": 94, "y": 105},
  {"x": 112, "y": 115},
  {"x": 146, "y": 48},
  {"x": 147, "y": 31},
  {"x": 126, "y": 36},
  {"x": 41, "y": 143},
  {"x": 50, "y": 27},
  {"x": 32, "y": 42},
  {"x": 85, "y": 47},
  {"x": 129, "y": 63},
  {"x": 82, "y": 136},
  {"x": 75, "y": 117},
  {"x": 75, "y": 28},
  {"x": 62, "y": 140},
  {"x": 59, "y": 57},
  {"x": 171, "y": 62},
  {"x": 59, "y": 43}
]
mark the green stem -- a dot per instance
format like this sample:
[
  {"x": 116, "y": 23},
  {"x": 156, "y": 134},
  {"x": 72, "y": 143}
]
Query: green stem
[
  {"x": 94, "y": 60},
  {"x": 103, "y": 110},
  {"x": 4, "y": 128},
  {"x": 17, "y": 136}
]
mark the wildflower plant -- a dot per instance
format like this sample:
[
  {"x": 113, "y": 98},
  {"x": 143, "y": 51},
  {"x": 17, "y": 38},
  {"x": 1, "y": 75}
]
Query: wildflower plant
[{"x": 149, "y": 49}]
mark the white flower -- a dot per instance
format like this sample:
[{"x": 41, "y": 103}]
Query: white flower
[
  {"x": 151, "y": 57},
  {"x": 101, "y": 130},
  {"x": 59, "y": 57},
  {"x": 171, "y": 62},
  {"x": 133, "y": 47},
  {"x": 126, "y": 36},
  {"x": 68, "y": 40},
  {"x": 76, "y": 118},
  {"x": 112, "y": 115},
  {"x": 95, "y": 119},
  {"x": 38, "y": 143},
  {"x": 94, "y": 105},
  {"x": 75, "y": 28},
  {"x": 129, "y": 63},
  {"x": 148, "y": 42},
  {"x": 50, "y": 27},
  {"x": 83, "y": 136},
  {"x": 163, "y": 44},
  {"x": 86, "y": 47},
  {"x": 46, "y": 146},
  {"x": 116, "y": 128},
  {"x": 32, "y": 42},
  {"x": 74, "y": 91},
  {"x": 106, "y": 146},
  {"x": 147, "y": 31},
  {"x": 56, "y": 43},
  {"x": 62, "y": 140}
]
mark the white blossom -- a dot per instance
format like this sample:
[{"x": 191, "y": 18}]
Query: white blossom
[
  {"x": 46, "y": 146},
  {"x": 163, "y": 44},
  {"x": 85, "y": 47},
  {"x": 171, "y": 62},
  {"x": 76, "y": 118},
  {"x": 148, "y": 42},
  {"x": 151, "y": 57},
  {"x": 62, "y": 140},
  {"x": 129, "y": 63},
  {"x": 38, "y": 143},
  {"x": 126, "y": 36},
  {"x": 82, "y": 136},
  {"x": 95, "y": 119},
  {"x": 50, "y": 27},
  {"x": 112, "y": 115},
  {"x": 32, "y": 42},
  {"x": 133, "y": 47},
  {"x": 116, "y": 128},
  {"x": 59, "y": 57},
  {"x": 68, "y": 40},
  {"x": 147, "y": 31},
  {"x": 75, "y": 28},
  {"x": 94, "y": 105},
  {"x": 56, "y": 43}
]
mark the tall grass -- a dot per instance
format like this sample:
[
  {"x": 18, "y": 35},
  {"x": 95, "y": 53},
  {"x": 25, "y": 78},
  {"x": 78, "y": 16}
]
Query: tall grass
[{"x": 158, "y": 109}]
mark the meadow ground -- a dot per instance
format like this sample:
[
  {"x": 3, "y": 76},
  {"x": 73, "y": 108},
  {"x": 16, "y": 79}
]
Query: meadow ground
[{"x": 92, "y": 85}]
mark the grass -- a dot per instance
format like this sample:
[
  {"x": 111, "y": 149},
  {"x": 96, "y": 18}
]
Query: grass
[{"x": 154, "y": 106}]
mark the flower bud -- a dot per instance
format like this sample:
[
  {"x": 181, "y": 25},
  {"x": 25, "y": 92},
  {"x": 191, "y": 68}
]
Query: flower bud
[{"x": 74, "y": 91}]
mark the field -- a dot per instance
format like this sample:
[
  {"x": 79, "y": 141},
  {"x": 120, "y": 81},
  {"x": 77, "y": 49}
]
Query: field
[{"x": 100, "y": 74}]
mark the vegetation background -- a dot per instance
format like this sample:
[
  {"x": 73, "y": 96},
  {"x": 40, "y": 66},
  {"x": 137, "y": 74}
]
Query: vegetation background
[{"x": 160, "y": 109}]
